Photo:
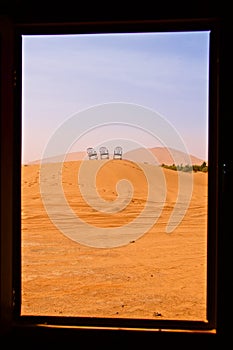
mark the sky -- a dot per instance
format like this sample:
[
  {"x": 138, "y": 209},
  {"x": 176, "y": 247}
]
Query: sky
[{"x": 65, "y": 75}]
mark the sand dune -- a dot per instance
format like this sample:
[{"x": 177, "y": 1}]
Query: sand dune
[
  {"x": 156, "y": 275},
  {"x": 162, "y": 155}
]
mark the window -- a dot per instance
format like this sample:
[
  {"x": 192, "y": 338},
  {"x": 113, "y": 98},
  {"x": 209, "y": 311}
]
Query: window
[
  {"x": 89, "y": 248},
  {"x": 34, "y": 258}
]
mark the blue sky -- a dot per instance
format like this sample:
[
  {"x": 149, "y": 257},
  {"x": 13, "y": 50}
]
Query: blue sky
[{"x": 63, "y": 75}]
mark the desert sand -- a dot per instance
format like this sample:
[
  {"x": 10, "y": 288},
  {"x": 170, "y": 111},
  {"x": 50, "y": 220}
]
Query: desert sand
[{"x": 157, "y": 276}]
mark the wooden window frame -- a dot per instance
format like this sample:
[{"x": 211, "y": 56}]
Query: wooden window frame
[{"x": 219, "y": 173}]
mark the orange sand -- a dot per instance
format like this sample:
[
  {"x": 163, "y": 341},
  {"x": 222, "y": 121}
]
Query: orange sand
[{"x": 159, "y": 275}]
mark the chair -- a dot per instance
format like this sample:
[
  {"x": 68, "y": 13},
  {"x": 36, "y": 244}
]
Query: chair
[
  {"x": 104, "y": 154},
  {"x": 92, "y": 154},
  {"x": 117, "y": 153}
]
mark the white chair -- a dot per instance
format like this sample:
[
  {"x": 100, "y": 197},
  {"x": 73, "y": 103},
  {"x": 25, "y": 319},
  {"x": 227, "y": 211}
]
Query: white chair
[
  {"x": 117, "y": 153},
  {"x": 104, "y": 154},
  {"x": 92, "y": 154}
]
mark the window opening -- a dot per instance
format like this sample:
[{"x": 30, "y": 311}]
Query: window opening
[{"x": 139, "y": 247}]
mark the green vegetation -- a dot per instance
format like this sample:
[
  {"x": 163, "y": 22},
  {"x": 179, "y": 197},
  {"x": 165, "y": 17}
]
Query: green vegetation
[{"x": 187, "y": 168}]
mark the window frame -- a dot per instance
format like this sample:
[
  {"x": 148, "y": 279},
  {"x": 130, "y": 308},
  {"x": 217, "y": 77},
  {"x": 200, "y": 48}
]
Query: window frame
[{"x": 11, "y": 295}]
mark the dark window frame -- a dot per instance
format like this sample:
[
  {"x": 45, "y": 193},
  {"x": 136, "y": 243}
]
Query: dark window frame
[{"x": 11, "y": 255}]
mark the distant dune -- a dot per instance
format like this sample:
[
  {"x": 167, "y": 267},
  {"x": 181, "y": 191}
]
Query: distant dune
[
  {"x": 161, "y": 155},
  {"x": 156, "y": 155},
  {"x": 60, "y": 158}
]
